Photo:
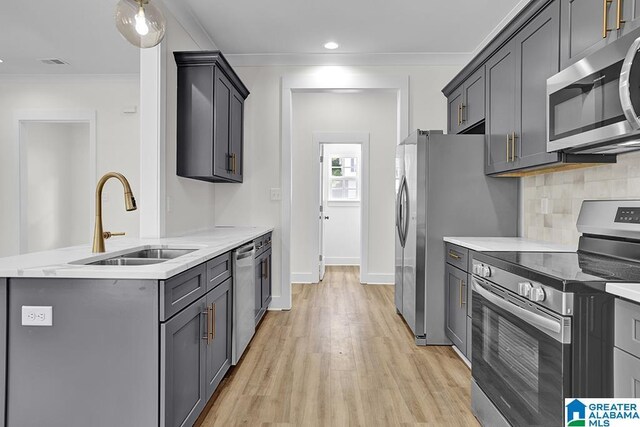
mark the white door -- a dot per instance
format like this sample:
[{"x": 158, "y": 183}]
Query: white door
[{"x": 322, "y": 215}]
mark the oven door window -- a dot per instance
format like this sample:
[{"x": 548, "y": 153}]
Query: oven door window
[
  {"x": 519, "y": 367},
  {"x": 590, "y": 103}
]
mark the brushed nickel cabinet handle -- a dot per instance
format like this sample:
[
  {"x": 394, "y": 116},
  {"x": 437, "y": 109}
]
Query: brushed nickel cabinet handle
[
  {"x": 460, "y": 286},
  {"x": 513, "y": 146},
  {"x": 213, "y": 321},
  {"x": 462, "y": 107},
  {"x": 619, "y": 20},
  {"x": 605, "y": 17},
  {"x": 207, "y": 322}
]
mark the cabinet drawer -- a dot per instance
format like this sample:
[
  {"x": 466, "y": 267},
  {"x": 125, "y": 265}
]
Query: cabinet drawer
[
  {"x": 179, "y": 291},
  {"x": 457, "y": 256},
  {"x": 218, "y": 270},
  {"x": 626, "y": 375},
  {"x": 627, "y": 326},
  {"x": 262, "y": 244}
]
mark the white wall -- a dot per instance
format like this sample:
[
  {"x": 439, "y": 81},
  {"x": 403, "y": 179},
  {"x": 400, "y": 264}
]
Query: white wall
[
  {"x": 372, "y": 112},
  {"x": 250, "y": 202},
  {"x": 118, "y": 147},
  {"x": 58, "y": 210},
  {"x": 342, "y": 229},
  {"x": 190, "y": 203}
]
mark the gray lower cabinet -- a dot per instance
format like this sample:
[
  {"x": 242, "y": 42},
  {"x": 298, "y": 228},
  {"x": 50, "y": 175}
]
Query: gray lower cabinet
[
  {"x": 263, "y": 281},
  {"x": 183, "y": 365},
  {"x": 219, "y": 347},
  {"x": 97, "y": 364},
  {"x": 626, "y": 375},
  {"x": 583, "y": 28},
  {"x": 456, "y": 310},
  {"x": 466, "y": 105},
  {"x": 630, "y": 16},
  {"x": 3, "y": 347},
  {"x": 626, "y": 353}
]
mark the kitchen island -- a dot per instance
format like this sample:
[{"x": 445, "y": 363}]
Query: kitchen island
[{"x": 138, "y": 345}]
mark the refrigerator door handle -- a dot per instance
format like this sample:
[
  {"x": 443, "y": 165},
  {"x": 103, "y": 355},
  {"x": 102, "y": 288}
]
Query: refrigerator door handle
[
  {"x": 402, "y": 233},
  {"x": 406, "y": 212}
]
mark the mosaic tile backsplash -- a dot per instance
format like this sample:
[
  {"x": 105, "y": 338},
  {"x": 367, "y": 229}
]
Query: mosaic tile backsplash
[{"x": 552, "y": 201}]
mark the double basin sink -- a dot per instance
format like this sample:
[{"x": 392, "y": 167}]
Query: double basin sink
[{"x": 153, "y": 255}]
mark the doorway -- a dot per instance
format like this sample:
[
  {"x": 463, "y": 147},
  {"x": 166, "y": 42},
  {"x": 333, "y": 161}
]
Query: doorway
[
  {"x": 340, "y": 205},
  {"x": 57, "y": 163},
  {"x": 343, "y": 195}
]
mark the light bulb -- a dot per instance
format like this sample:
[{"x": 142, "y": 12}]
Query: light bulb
[{"x": 141, "y": 22}]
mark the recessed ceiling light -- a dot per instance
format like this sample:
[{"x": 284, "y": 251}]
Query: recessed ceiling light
[
  {"x": 1, "y": 61},
  {"x": 331, "y": 45}
]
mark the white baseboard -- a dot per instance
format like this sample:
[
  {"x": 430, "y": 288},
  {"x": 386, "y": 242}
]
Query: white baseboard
[
  {"x": 342, "y": 261},
  {"x": 379, "y": 279},
  {"x": 302, "y": 278}
]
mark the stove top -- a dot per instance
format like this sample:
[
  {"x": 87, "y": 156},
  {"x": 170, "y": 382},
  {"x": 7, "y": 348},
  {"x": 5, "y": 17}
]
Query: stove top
[{"x": 564, "y": 269}]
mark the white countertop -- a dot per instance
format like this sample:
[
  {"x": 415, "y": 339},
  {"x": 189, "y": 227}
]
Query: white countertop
[
  {"x": 57, "y": 263},
  {"x": 630, "y": 291},
  {"x": 507, "y": 244}
]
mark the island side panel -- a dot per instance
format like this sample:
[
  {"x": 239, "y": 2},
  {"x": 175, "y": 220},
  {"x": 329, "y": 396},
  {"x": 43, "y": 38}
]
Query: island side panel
[
  {"x": 98, "y": 364},
  {"x": 3, "y": 347}
]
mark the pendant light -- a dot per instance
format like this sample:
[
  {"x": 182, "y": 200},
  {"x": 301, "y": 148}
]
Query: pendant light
[{"x": 140, "y": 22}]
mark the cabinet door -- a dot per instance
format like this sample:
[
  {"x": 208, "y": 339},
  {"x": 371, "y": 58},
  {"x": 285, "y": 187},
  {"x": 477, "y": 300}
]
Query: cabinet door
[
  {"x": 500, "y": 106},
  {"x": 626, "y": 375},
  {"x": 473, "y": 104},
  {"x": 582, "y": 28},
  {"x": 223, "y": 91},
  {"x": 454, "y": 104},
  {"x": 258, "y": 283},
  {"x": 537, "y": 59},
  {"x": 219, "y": 345},
  {"x": 236, "y": 135},
  {"x": 182, "y": 379},
  {"x": 3, "y": 347},
  {"x": 630, "y": 15},
  {"x": 266, "y": 281},
  {"x": 456, "y": 282}
]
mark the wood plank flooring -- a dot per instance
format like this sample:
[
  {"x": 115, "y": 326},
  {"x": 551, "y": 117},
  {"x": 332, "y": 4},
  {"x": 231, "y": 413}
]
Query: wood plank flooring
[{"x": 342, "y": 356}]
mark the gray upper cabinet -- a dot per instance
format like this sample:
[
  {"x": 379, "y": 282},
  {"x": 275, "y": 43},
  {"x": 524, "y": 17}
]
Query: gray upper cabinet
[
  {"x": 219, "y": 343},
  {"x": 182, "y": 382},
  {"x": 456, "y": 312},
  {"x": 466, "y": 105},
  {"x": 583, "y": 27},
  {"x": 210, "y": 118},
  {"x": 630, "y": 16},
  {"x": 537, "y": 58},
  {"x": 500, "y": 108}
]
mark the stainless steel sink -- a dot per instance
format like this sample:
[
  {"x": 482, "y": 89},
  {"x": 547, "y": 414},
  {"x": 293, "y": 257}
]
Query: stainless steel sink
[
  {"x": 162, "y": 253},
  {"x": 128, "y": 261},
  {"x": 147, "y": 256}
]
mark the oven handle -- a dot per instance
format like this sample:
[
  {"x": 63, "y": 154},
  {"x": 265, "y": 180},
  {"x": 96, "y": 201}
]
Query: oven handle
[{"x": 537, "y": 320}]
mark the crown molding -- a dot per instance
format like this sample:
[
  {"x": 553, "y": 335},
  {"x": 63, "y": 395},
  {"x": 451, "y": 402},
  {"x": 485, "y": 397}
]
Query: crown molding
[
  {"x": 501, "y": 26},
  {"x": 381, "y": 59},
  {"x": 189, "y": 22}
]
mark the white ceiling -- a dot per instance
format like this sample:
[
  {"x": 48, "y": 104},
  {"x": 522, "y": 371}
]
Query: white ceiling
[
  {"x": 80, "y": 32},
  {"x": 360, "y": 26}
]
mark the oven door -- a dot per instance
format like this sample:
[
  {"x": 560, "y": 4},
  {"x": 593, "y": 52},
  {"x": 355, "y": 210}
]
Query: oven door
[{"x": 520, "y": 355}]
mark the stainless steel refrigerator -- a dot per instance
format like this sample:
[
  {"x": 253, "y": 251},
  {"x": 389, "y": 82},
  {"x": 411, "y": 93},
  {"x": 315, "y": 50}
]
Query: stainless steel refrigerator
[{"x": 441, "y": 190}]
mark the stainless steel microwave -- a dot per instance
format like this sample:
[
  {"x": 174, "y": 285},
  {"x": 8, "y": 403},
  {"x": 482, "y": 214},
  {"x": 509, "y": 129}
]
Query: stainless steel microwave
[{"x": 592, "y": 105}]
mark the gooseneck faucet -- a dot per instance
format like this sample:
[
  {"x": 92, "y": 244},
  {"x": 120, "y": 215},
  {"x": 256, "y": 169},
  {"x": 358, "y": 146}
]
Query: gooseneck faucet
[{"x": 129, "y": 203}]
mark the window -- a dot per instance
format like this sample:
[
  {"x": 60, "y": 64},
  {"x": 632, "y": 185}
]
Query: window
[{"x": 344, "y": 179}]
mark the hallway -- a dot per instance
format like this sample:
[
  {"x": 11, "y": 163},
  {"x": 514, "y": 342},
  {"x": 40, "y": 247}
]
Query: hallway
[{"x": 342, "y": 356}]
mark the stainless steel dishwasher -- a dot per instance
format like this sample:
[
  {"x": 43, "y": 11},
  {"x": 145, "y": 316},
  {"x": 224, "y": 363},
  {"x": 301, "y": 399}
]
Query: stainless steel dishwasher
[{"x": 244, "y": 325}]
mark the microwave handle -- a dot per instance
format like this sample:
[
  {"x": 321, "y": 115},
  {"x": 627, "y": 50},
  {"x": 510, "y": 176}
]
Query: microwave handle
[
  {"x": 536, "y": 320},
  {"x": 625, "y": 84}
]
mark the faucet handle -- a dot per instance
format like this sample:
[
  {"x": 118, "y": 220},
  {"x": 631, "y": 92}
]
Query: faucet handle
[{"x": 109, "y": 234}]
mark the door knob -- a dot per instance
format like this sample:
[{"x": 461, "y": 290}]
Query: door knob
[{"x": 326, "y": 217}]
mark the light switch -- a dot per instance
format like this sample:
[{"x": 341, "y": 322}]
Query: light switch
[{"x": 37, "y": 315}]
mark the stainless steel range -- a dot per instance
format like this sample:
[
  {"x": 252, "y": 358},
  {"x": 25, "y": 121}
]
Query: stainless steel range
[{"x": 543, "y": 323}]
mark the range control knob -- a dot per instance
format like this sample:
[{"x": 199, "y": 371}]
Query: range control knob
[
  {"x": 537, "y": 295},
  {"x": 524, "y": 289},
  {"x": 486, "y": 271}
]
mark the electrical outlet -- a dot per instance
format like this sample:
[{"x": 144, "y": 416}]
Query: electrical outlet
[
  {"x": 276, "y": 194},
  {"x": 37, "y": 316}
]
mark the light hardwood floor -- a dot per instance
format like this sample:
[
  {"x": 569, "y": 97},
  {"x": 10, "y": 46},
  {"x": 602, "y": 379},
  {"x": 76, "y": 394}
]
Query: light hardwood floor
[{"x": 342, "y": 356}]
